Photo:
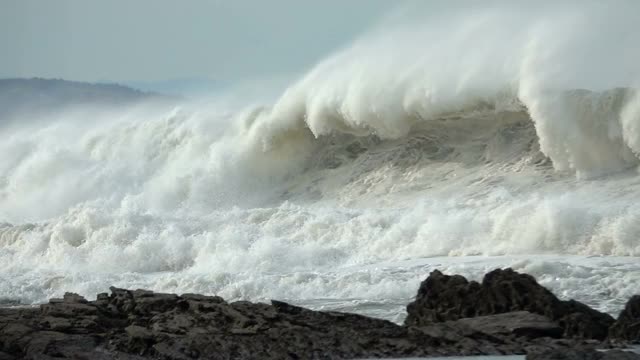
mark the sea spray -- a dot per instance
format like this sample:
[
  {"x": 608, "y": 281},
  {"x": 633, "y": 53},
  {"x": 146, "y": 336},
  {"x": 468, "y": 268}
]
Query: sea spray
[{"x": 467, "y": 138}]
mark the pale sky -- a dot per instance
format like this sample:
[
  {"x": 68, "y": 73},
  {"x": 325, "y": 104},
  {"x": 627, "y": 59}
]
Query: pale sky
[{"x": 148, "y": 40}]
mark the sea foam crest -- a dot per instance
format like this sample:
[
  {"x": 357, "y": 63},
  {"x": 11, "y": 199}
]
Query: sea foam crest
[{"x": 572, "y": 65}]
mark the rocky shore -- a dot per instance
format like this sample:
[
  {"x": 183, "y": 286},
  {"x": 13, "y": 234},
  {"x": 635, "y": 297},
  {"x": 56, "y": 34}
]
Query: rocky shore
[{"x": 506, "y": 313}]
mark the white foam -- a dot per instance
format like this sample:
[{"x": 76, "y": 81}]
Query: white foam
[{"x": 423, "y": 142}]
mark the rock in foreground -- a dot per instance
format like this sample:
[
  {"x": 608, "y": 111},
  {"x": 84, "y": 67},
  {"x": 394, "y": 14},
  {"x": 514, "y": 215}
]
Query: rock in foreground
[
  {"x": 443, "y": 297},
  {"x": 627, "y": 327},
  {"x": 139, "y": 324},
  {"x": 573, "y": 354}
]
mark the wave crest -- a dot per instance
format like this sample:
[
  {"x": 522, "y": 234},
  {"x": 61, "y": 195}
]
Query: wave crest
[{"x": 571, "y": 70}]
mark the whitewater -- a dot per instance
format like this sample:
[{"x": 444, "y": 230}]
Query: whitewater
[{"x": 461, "y": 138}]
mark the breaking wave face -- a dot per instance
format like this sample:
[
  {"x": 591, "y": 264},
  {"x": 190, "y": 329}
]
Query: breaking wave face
[{"x": 496, "y": 129}]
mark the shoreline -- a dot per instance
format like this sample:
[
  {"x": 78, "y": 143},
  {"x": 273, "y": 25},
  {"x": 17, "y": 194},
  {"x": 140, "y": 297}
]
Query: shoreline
[
  {"x": 599, "y": 281},
  {"x": 508, "y": 313}
]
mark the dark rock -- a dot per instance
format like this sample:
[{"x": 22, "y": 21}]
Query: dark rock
[
  {"x": 132, "y": 324},
  {"x": 139, "y": 324},
  {"x": 444, "y": 298},
  {"x": 519, "y": 323},
  {"x": 620, "y": 355},
  {"x": 155, "y": 303},
  {"x": 582, "y": 354},
  {"x": 5, "y": 356},
  {"x": 142, "y": 324},
  {"x": 68, "y": 309},
  {"x": 138, "y": 332},
  {"x": 627, "y": 327},
  {"x": 198, "y": 297},
  {"x": 74, "y": 298}
]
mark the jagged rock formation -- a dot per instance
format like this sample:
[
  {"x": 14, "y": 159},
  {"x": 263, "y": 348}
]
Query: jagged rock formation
[
  {"x": 581, "y": 354},
  {"x": 627, "y": 327},
  {"x": 140, "y": 324},
  {"x": 443, "y": 297}
]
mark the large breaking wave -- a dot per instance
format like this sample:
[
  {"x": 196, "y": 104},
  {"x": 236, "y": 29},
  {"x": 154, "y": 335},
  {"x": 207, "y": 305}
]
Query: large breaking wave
[
  {"x": 572, "y": 66},
  {"x": 501, "y": 129}
]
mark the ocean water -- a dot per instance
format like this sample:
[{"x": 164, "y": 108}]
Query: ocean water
[{"x": 462, "y": 138}]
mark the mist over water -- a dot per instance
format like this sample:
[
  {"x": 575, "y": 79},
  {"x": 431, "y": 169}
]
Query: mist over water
[{"x": 463, "y": 138}]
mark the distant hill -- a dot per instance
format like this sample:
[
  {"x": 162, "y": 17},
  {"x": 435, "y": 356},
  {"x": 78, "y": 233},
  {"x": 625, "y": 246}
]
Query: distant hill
[
  {"x": 187, "y": 87},
  {"x": 37, "y": 95}
]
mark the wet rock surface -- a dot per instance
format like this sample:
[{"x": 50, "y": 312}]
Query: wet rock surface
[
  {"x": 444, "y": 297},
  {"x": 627, "y": 326},
  {"x": 140, "y": 324},
  {"x": 577, "y": 354}
]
